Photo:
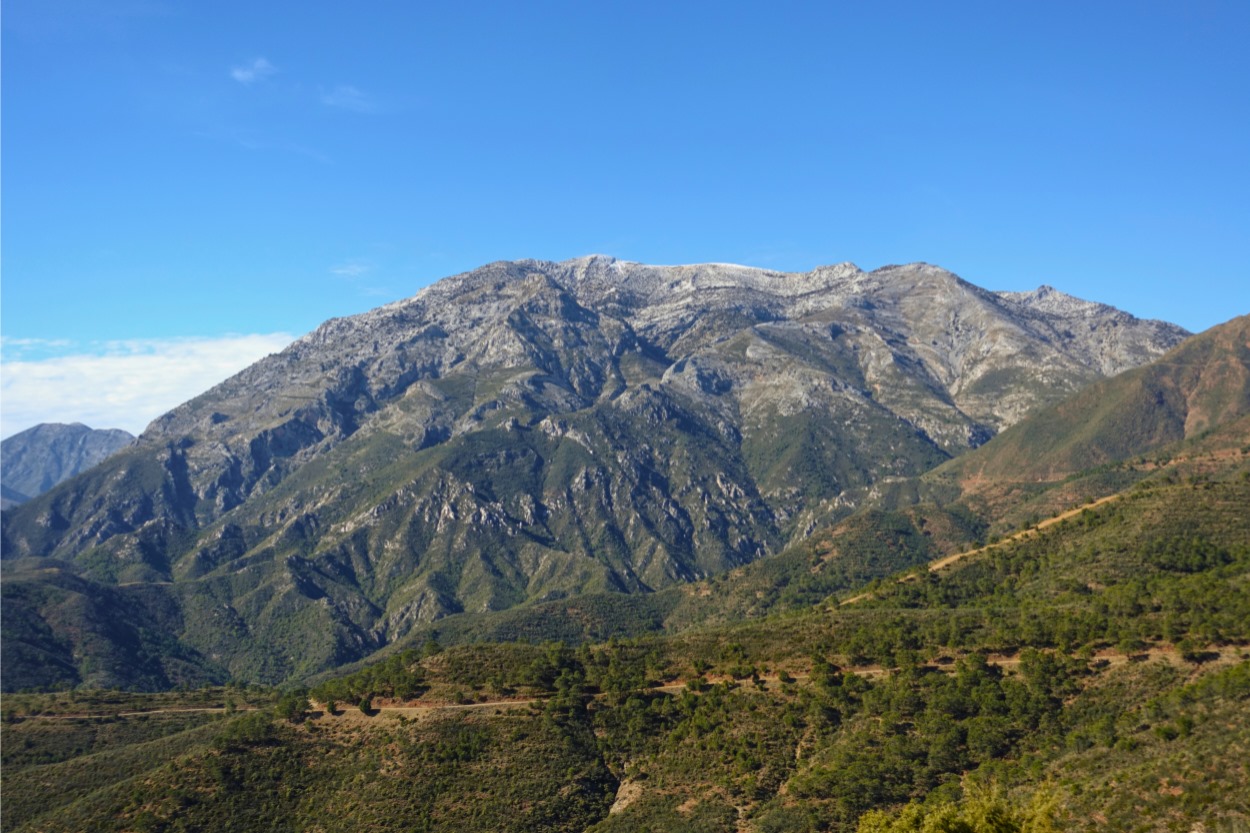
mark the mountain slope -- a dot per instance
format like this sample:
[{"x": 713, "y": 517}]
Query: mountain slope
[
  {"x": 1199, "y": 386},
  {"x": 1101, "y": 662},
  {"x": 35, "y": 460},
  {"x": 532, "y": 430}
]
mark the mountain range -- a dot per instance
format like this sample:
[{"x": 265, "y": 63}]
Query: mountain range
[
  {"x": 531, "y": 432},
  {"x": 1075, "y": 659},
  {"x": 755, "y": 562}
]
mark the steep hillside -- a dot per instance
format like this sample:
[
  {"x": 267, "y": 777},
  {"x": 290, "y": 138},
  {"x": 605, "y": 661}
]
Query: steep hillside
[
  {"x": 35, "y": 460},
  {"x": 938, "y": 514},
  {"x": 529, "y": 431},
  {"x": 1197, "y": 387},
  {"x": 1094, "y": 676}
]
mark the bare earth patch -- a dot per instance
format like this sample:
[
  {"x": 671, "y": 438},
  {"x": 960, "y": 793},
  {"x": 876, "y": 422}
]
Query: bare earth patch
[{"x": 626, "y": 794}]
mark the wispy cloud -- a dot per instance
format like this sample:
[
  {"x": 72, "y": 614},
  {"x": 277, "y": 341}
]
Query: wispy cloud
[
  {"x": 347, "y": 97},
  {"x": 21, "y": 348},
  {"x": 352, "y": 269},
  {"x": 122, "y": 384},
  {"x": 355, "y": 271},
  {"x": 258, "y": 69}
]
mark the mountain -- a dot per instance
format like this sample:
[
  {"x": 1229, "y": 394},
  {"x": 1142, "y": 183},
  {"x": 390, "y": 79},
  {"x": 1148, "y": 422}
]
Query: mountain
[
  {"x": 1196, "y": 387},
  {"x": 529, "y": 431},
  {"x": 1186, "y": 415},
  {"x": 35, "y": 460}
]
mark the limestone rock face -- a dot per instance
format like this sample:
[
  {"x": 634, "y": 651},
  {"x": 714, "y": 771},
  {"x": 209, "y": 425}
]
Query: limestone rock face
[{"x": 534, "y": 429}]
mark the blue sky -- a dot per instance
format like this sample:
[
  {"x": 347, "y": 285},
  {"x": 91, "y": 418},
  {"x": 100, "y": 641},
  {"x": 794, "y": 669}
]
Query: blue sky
[{"x": 219, "y": 177}]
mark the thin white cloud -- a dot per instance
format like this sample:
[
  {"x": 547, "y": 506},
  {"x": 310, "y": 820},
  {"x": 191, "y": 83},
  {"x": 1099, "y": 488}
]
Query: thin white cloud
[
  {"x": 347, "y": 97},
  {"x": 123, "y": 384},
  {"x": 258, "y": 69},
  {"x": 23, "y": 347},
  {"x": 352, "y": 269}
]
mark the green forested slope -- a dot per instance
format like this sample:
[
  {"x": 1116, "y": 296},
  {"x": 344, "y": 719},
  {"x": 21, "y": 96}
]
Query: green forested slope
[{"x": 1100, "y": 663}]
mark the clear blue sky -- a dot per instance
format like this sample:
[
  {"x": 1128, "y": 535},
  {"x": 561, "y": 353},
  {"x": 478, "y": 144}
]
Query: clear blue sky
[{"x": 177, "y": 169}]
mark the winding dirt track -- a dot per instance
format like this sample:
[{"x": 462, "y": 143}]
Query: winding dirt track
[
  {"x": 772, "y": 682},
  {"x": 141, "y": 713},
  {"x": 1024, "y": 533},
  {"x": 948, "y": 560}
]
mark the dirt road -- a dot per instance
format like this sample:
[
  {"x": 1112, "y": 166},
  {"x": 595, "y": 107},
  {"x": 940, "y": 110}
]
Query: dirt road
[{"x": 948, "y": 560}]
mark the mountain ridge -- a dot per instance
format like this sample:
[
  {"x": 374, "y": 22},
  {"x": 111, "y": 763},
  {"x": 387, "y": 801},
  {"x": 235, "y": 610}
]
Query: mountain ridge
[{"x": 35, "y": 460}]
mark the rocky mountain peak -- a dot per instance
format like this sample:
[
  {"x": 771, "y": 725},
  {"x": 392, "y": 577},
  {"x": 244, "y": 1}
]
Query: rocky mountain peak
[
  {"x": 531, "y": 429},
  {"x": 1113, "y": 340},
  {"x": 1048, "y": 299}
]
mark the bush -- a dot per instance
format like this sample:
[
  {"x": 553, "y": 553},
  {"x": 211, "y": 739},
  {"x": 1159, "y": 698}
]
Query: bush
[
  {"x": 253, "y": 729},
  {"x": 293, "y": 707}
]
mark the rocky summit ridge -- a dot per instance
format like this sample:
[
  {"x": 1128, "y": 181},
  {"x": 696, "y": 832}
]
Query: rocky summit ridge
[
  {"x": 957, "y": 334},
  {"x": 533, "y": 429}
]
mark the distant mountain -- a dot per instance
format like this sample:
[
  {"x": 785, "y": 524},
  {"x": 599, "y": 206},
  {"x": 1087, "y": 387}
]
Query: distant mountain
[
  {"x": 532, "y": 430},
  {"x": 35, "y": 460}
]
